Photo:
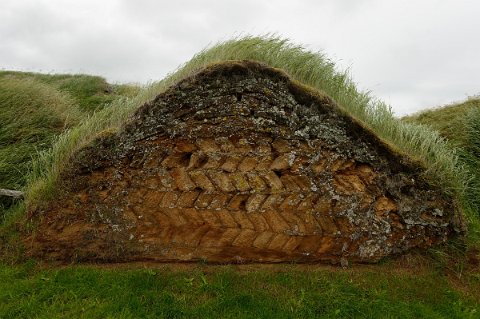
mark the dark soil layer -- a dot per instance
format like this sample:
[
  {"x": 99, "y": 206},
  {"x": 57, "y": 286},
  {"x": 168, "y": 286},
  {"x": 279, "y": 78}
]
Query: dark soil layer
[{"x": 237, "y": 164}]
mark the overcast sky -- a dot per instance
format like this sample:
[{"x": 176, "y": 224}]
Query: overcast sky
[{"x": 412, "y": 54}]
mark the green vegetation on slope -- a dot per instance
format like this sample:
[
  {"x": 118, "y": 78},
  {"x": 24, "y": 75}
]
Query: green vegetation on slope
[
  {"x": 89, "y": 93},
  {"x": 31, "y": 113},
  {"x": 229, "y": 292},
  {"x": 314, "y": 70},
  {"x": 452, "y": 121},
  {"x": 460, "y": 125},
  {"x": 36, "y": 108}
]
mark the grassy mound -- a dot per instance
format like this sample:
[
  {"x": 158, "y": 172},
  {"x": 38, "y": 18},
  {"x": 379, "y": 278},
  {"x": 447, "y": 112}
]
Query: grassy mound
[
  {"x": 444, "y": 162},
  {"x": 31, "y": 113},
  {"x": 454, "y": 122},
  {"x": 89, "y": 93},
  {"x": 311, "y": 69},
  {"x": 36, "y": 108}
]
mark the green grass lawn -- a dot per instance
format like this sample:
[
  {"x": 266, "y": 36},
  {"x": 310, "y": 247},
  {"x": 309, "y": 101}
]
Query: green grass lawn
[{"x": 247, "y": 291}]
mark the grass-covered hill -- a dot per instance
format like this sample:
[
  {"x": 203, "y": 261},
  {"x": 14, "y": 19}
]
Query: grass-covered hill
[
  {"x": 456, "y": 122},
  {"x": 36, "y": 108},
  {"x": 46, "y": 119},
  {"x": 88, "y": 92}
]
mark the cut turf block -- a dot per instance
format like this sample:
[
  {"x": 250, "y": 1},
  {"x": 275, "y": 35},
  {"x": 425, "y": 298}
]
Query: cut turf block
[{"x": 239, "y": 163}]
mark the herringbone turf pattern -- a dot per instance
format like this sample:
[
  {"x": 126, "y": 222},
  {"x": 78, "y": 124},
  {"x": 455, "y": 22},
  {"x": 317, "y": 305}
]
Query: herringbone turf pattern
[{"x": 240, "y": 165}]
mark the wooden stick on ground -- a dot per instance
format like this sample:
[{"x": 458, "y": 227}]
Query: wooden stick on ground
[{"x": 11, "y": 193}]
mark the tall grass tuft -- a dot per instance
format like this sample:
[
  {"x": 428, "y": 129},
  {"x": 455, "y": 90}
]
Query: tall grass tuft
[
  {"x": 31, "y": 114},
  {"x": 34, "y": 109},
  {"x": 470, "y": 155}
]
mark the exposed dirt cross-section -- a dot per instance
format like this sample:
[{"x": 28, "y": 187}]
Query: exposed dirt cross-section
[{"x": 239, "y": 164}]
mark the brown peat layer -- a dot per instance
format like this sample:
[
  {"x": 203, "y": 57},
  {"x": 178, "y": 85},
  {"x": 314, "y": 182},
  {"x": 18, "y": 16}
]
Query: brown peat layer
[{"x": 235, "y": 164}]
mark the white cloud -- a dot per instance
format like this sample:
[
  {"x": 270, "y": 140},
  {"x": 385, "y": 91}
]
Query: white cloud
[{"x": 412, "y": 54}]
